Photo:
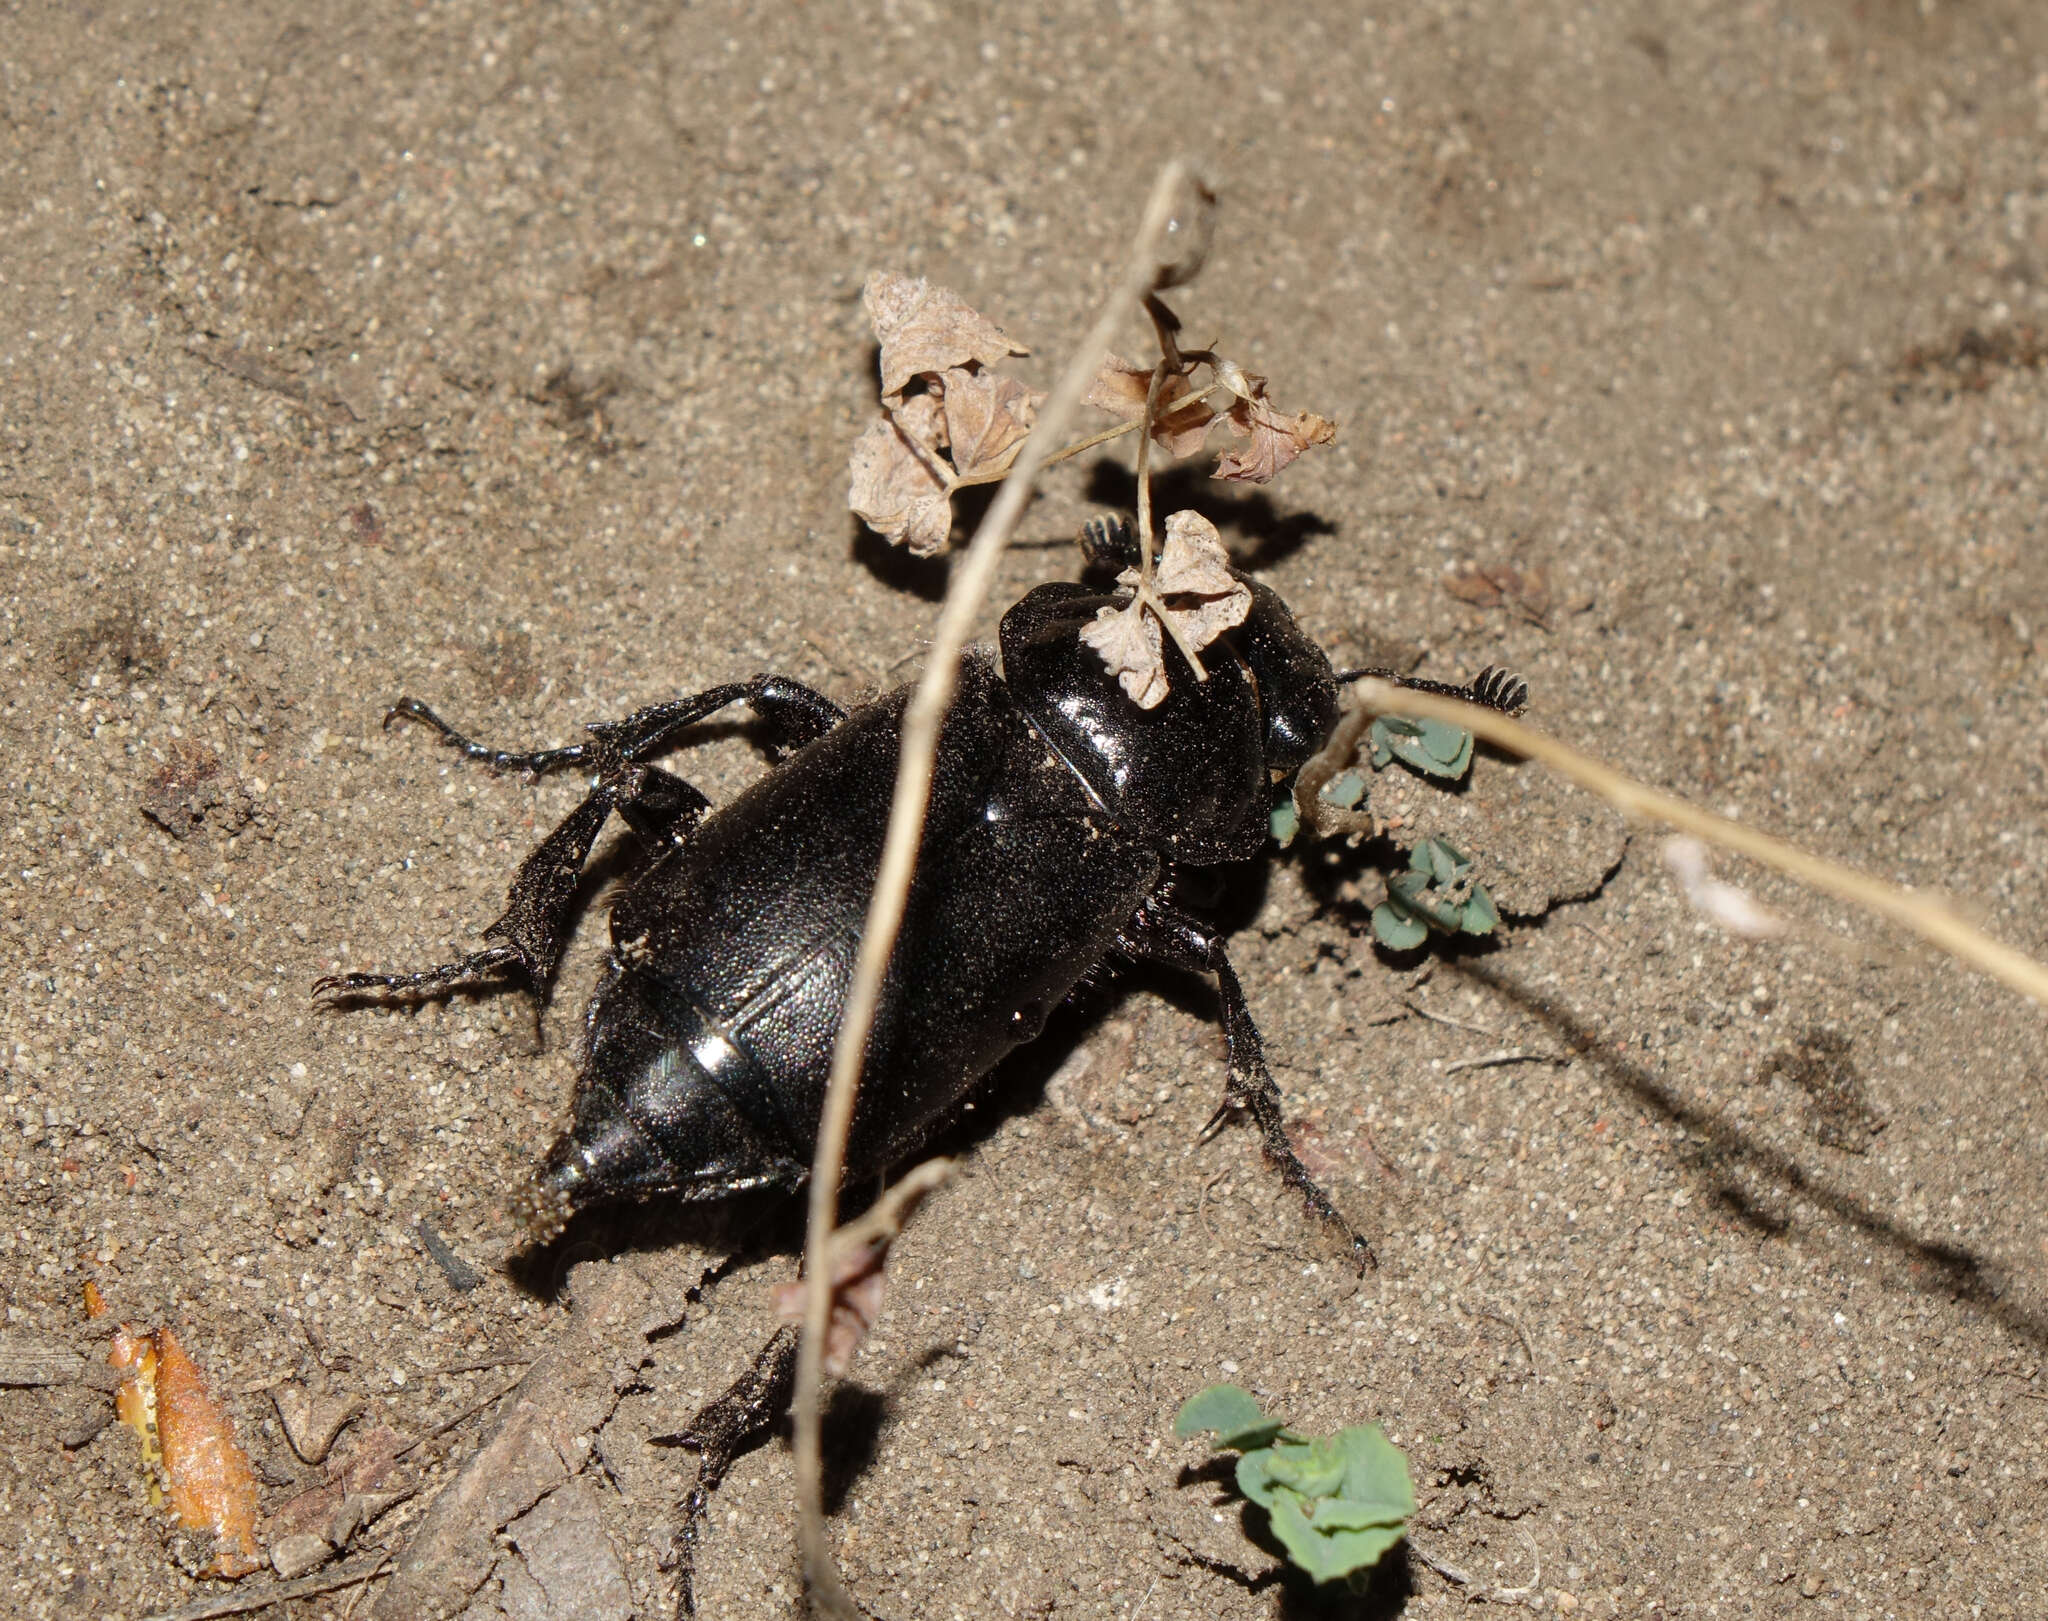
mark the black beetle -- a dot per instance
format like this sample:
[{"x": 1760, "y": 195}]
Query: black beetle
[{"x": 1060, "y": 815}]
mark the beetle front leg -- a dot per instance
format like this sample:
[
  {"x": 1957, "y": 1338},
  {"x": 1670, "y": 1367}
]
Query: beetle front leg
[
  {"x": 1162, "y": 933},
  {"x": 658, "y": 805}
]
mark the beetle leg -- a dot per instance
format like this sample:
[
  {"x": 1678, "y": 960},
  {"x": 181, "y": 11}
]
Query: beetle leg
[
  {"x": 534, "y": 760},
  {"x": 802, "y": 714},
  {"x": 656, "y": 804},
  {"x": 1492, "y": 687},
  {"x": 534, "y": 927},
  {"x": 1164, "y": 934},
  {"x": 722, "y": 1430}
]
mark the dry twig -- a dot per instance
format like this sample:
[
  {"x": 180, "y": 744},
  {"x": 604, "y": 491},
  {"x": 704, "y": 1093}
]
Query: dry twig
[
  {"x": 244, "y": 1600},
  {"x": 1173, "y": 193},
  {"x": 1928, "y": 916}
]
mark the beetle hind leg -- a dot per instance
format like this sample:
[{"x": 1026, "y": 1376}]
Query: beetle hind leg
[
  {"x": 722, "y": 1431},
  {"x": 1161, "y": 933},
  {"x": 659, "y": 806}
]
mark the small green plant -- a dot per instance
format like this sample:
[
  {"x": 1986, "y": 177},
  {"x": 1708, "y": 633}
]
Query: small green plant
[
  {"x": 1436, "y": 892},
  {"x": 1336, "y": 1503},
  {"x": 1430, "y": 746}
]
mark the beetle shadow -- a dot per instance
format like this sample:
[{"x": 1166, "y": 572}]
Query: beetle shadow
[
  {"x": 743, "y": 1229},
  {"x": 1272, "y": 534},
  {"x": 856, "y": 1419},
  {"x": 899, "y": 568}
]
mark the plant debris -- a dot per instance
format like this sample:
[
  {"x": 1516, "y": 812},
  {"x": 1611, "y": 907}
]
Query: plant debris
[
  {"x": 312, "y": 1419},
  {"x": 1275, "y": 439},
  {"x": 1193, "y": 597},
  {"x": 925, "y": 330},
  {"x": 950, "y": 419},
  {"x": 860, "y": 1250},
  {"x": 189, "y": 1442},
  {"x": 1736, "y": 910},
  {"x": 1181, "y": 420},
  {"x": 1523, "y": 591},
  {"x": 541, "y": 1438},
  {"x": 189, "y": 788},
  {"x": 30, "y": 1360},
  {"x": 962, "y": 419},
  {"x": 307, "y": 1530}
]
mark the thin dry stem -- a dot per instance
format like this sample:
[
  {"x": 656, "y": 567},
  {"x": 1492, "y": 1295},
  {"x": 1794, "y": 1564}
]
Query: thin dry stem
[
  {"x": 1145, "y": 475},
  {"x": 1928, "y": 916},
  {"x": 999, "y": 469},
  {"x": 884, "y": 1219},
  {"x": 1147, "y": 596},
  {"x": 921, "y": 722}
]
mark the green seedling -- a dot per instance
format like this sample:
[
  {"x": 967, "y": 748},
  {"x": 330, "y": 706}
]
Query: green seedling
[
  {"x": 1430, "y": 746},
  {"x": 1436, "y": 892},
  {"x": 1336, "y": 1503}
]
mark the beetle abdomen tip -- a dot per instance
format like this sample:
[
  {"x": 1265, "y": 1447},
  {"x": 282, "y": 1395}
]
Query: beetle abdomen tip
[{"x": 541, "y": 1207}]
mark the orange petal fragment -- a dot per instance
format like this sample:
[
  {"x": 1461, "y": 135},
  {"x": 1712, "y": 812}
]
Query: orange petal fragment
[
  {"x": 213, "y": 1487},
  {"x": 135, "y": 1398}
]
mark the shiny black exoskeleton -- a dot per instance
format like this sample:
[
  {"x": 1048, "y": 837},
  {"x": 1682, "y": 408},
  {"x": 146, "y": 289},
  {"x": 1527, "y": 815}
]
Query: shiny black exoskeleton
[{"x": 1060, "y": 814}]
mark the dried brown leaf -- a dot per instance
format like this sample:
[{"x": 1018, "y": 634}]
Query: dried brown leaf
[
  {"x": 893, "y": 488},
  {"x": 925, "y": 330},
  {"x": 1275, "y": 438},
  {"x": 1129, "y": 641},
  {"x": 1194, "y": 571},
  {"x": 1501, "y": 585},
  {"x": 985, "y": 415},
  {"x": 533, "y": 1445},
  {"x": 312, "y": 1419},
  {"x": 857, "y": 1285},
  {"x": 1201, "y": 599},
  {"x": 1120, "y": 389},
  {"x": 1472, "y": 584}
]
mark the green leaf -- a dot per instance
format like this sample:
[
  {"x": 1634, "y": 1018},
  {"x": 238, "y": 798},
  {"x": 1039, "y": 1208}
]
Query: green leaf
[
  {"x": 1443, "y": 861},
  {"x": 1480, "y": 916},
  {"x": 1447, "y": 744},
  {"x": 1409, "y": 893},
  {"x": 1396, "y": 930},
  {"x": 1313, "y": 1468},
  {"x": 1431, "y": 748},
  {"x": 1328, "y": 1555},
  {"x": 1233, "y": 1413},
  {"x": 1346, "y": 789},
  {"x": 1375, "y": 1471},
  {"x": 1341, "y": 1514}
]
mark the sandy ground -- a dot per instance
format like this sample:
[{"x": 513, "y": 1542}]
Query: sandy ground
[{"x": 510, "y": 357}]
